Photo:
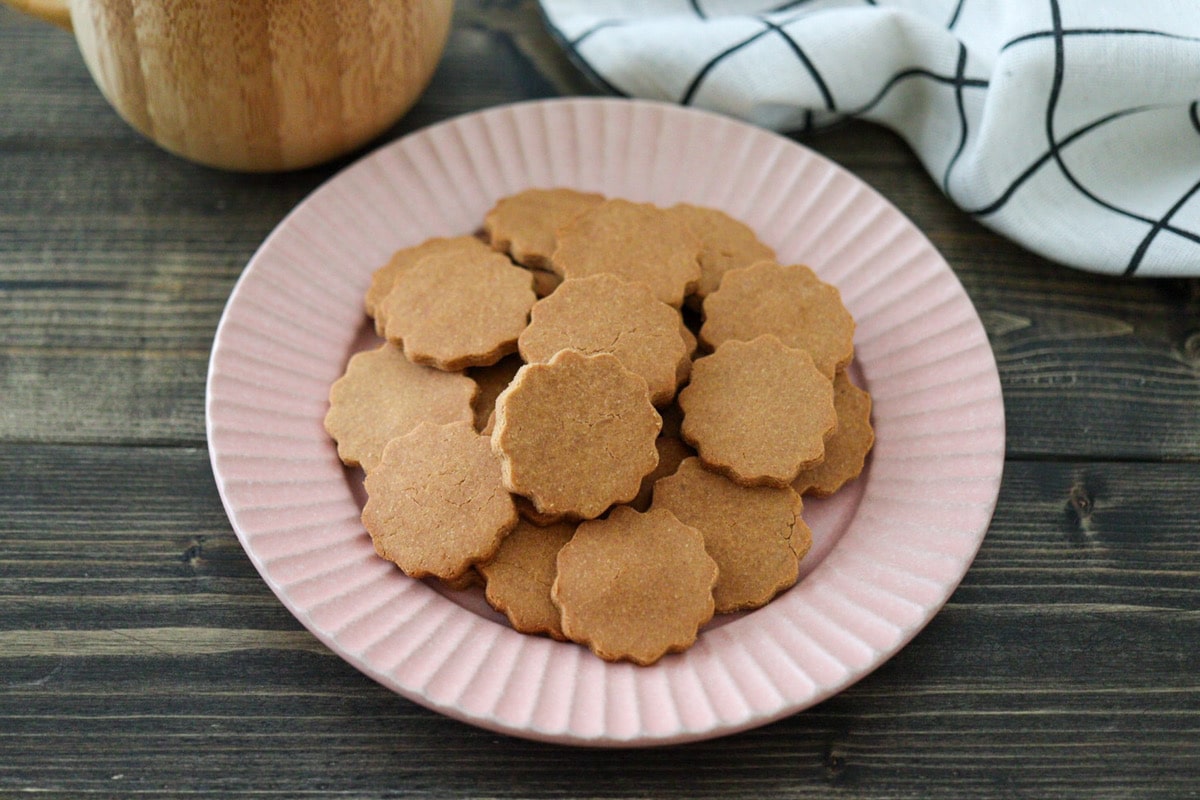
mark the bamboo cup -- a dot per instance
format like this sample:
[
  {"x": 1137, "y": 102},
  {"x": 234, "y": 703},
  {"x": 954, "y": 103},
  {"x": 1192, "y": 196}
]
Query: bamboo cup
[{"x": 256, "y": 85}]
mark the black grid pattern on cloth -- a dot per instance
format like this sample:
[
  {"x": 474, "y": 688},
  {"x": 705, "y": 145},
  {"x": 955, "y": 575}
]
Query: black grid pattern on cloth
[{"x": 1056, "y": 141}]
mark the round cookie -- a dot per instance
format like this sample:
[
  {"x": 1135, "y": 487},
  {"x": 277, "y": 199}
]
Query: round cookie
[
  {"x": 603, "y": 314},
  {"x": 791, "y": 303},
  {"x": 521, "y": 573},
  {"x": 523, "y": 225},
  {"x": 637, "y": 242},
  {"x": 384, "y": 278},
  {"x": 435, "y": 502},
  {"x": 754, "y": 533},
  {"x": 456, "y": 310},
  {"x": 576, "y": 434},
  {"x": 634, "y": 586},
  {"x": 758, "y": 411},
  {"x": 383, "y": 395},
  {"x": 846, "y": 450},
  {"x": 725, "y": 243}
]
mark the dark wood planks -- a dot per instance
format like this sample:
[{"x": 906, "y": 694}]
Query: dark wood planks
[{"x": 137, "y": 638}]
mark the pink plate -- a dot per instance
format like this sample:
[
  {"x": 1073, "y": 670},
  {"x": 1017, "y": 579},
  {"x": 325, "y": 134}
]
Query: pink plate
[{"x": 889, "y": 549}]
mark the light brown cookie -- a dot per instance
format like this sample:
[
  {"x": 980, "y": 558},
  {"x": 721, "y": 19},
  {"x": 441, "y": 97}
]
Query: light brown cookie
[
  {"x": 671, "y": 452},
  {"x": 524, "y": 224},
  {"x": 521, "y": 573},
  {"x": 791, "y": 303},
  {"x": 451, "y": 310},
  {"x": 690, "y": 343},
  {"x": 489, "y": 424},
  {"x": 725, "y": 243},
  {"x": 634, "y": 586},
  {"x": 758, "y": 411},
  {"x": 846, "y": 450},
  {"x": 672, "y": 419},
  {"x": 637, "y": 242},
  {"x": 492, "y": 380},
  {"x": 384, "y": 277},
  {"x": 383, "y": 395},
  {"x": 435, "y": 502},
  {"x": 468, "y": 580},
  {"x": 529, "y": 513},
  {"x": 545, "y": 282},
  {"x": 576, "y": 434},
  {"x": 604, "y": 314},
  {"x": 754, "y": 533}
]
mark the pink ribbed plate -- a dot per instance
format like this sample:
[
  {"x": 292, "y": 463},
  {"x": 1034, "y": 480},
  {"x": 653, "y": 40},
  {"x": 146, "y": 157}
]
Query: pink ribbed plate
[{"x": 889, "y": 549}]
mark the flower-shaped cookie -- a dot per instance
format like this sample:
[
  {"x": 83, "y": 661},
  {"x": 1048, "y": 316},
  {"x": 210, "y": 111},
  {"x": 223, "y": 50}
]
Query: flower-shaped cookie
[
  {"x": 791, "y": 303},
  {"x": 384, "y": 278},
  {"x": 846, "y": 450},
  {"x": 435, "y": 502},
  {"x": 383, "y": 395},
  {"x": 758, "y": 411},
  {"x": 754, "y": 533},
  {"x": 604, "y": 314},
  {"x": 521, "y": 573},
  {"x": 524, "y": 224},
  {"x": 492, "y": 380},
  {"x": 637, "y": 242},
  {"x": 458, "y": 309},
  {"x": 576, "y": 434},
  {"x": 726, "y": 243},
  {"x": 671, "y": 453},
  {"x": 634, "y": 586}
]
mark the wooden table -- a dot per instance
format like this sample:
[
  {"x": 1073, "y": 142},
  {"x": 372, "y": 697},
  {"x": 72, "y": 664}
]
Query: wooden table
[{"x": 140, "y": 652}]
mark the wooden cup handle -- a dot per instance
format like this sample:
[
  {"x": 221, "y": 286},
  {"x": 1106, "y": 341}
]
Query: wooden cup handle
[{"x": 54, "y": 11}]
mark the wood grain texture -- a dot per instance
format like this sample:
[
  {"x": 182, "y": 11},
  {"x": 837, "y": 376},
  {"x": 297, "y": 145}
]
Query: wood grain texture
[
  {"x": 137, "y": 639},
  {"x": 142, "y": 655}
]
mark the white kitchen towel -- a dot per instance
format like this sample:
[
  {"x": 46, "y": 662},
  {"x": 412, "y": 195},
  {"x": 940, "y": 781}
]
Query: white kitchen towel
[{"x": 1070, "y": 126}]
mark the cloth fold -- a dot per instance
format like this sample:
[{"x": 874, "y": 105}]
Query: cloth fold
[{"x": 1070, "y": 126}]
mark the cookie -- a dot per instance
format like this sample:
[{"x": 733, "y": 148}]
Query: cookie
[
  {"x": 545, "y": 282},
  {"x": 634, "y": 586},
  {"x": 754, "y": 533},
  {"x": 523, "y": 225},
  {"x": 603, "y": 314},
  {"x": 492, "y": 380},
  {"x": 672, "y": 419},
  {"x": 791, "y": 303},
  {"x": 758, "y": 411},
  {"x": 383, "y": 395},
  {"x": 468, "y": 580},
  {"x": 489, "y": 425},
  {"x": 725, "y": 243},
  {"x": 637, "y": 242},
  {"x": 452, "y": 311},
  {"x": 529, "y": 513},
  {"x": 671, "y": 452},
  {"x": 576, "y": 435},
  {"x": 435, "y": 501},
  {"x": 690, "y": 343},
  {"x": 521, "y": 573},
  {"x": 846, "y": 450},
  {"x": 384, "y": 277}
]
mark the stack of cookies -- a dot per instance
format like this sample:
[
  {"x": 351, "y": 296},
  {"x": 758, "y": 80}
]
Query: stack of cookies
[{"x": 606, "y": 412}]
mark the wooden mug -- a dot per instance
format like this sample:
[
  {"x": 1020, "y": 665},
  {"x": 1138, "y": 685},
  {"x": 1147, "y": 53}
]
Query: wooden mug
[{"x": 257, "y": 85}]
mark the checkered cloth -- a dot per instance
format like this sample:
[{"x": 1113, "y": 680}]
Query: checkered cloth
[{"x": 1070, "y": 126}]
